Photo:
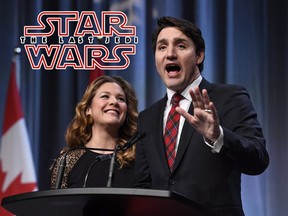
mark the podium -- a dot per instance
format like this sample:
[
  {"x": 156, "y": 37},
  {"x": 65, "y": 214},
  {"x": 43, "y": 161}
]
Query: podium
[{"x": 103, "y": 202}]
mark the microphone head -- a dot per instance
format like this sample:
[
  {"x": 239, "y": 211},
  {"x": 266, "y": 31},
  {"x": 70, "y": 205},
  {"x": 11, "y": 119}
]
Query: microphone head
[
  {"x": 141, "y": 134},
  {"x": 135, "y": 138}
]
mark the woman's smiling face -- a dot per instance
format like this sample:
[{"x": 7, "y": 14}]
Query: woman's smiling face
[{"x": 109, "y": 105}]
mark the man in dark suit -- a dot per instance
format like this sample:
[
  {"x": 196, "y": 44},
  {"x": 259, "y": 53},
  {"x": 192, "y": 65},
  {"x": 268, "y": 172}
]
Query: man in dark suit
[{"x": 217, "y": 138}]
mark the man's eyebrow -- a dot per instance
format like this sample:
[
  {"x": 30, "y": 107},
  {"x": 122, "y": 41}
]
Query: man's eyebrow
[
  {"x": 175, "y": 40},
  {"x": 162, "y": 41}
]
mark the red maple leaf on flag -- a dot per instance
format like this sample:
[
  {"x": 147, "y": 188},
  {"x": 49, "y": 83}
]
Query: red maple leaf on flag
[{"x": 15, "y": 187}]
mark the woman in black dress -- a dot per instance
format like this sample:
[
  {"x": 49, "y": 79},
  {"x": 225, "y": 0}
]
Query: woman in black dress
[{"x": 105, "y": 116}]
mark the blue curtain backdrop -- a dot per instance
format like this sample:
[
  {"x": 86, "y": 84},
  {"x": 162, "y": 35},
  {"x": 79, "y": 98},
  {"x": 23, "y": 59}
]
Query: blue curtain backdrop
[{"x": 246, "y": 44}]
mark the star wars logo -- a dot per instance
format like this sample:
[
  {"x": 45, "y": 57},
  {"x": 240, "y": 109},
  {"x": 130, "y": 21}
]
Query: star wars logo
[{"x": 71, "y": 39}]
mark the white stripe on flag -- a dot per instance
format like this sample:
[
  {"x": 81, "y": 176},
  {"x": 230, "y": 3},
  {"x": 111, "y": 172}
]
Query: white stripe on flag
[{"x": 16, "y": 156}]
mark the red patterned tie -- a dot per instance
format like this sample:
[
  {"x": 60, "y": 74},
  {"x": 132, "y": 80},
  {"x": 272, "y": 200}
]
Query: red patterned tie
[{"x": 171, "y": 130}]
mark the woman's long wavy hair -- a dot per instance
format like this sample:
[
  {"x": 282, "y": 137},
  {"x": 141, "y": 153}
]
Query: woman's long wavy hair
[{"x": 79, "y": 131}]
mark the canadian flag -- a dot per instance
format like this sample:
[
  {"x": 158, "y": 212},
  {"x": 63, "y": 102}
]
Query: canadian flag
[{"x": 17, "y": 174}]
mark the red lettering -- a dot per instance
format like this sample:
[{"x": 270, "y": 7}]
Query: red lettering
[
  {"x": 69, "y": 57},
  {"x": 118, "y": 18},
  {"x": 48, "y": 20},
  {"x": 98, "y": 56},
  {"x": 47, "y": 54},
  {"x": 113, "y": 23},
  {"x": 88, "y": 24}
]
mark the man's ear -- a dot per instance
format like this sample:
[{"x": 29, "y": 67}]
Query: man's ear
[{"x": 200, "y": 57}]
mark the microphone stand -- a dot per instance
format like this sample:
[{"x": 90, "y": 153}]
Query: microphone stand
[
  {"x": 135, "y": 138},
  {"x": 112, "y": 165},
  {"x": 97, "y": 159}
]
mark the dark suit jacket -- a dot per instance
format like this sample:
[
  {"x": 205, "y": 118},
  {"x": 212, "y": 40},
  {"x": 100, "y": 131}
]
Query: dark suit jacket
[{"x": 211, "y": 179}]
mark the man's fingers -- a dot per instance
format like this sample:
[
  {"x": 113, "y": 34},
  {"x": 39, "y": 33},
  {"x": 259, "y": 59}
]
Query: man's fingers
[
  {"x": 206, "y": 98},
  {"x": 185, "y": 114}
]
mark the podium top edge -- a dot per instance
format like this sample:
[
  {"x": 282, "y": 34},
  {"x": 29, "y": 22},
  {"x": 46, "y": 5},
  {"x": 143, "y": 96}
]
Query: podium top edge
[{"x": 91, "y": 191}]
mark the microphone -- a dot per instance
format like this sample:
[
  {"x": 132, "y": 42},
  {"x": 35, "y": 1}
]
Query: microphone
[
  {"x": 138, "y": 136},
  {"x": 97, "y": 159},
  {"x": 135, "y": 138},
  {"x": 62, "y": 165}
]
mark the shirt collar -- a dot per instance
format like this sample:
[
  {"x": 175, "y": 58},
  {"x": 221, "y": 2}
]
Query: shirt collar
[{"x": 185, "y": 93}]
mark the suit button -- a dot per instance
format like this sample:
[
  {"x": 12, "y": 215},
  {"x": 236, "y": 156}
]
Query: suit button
[{"x": 172, "y": 182}]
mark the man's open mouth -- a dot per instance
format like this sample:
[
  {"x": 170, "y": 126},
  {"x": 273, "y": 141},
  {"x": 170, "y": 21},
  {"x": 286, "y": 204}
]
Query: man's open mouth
[{"x": 172, "y": 68}]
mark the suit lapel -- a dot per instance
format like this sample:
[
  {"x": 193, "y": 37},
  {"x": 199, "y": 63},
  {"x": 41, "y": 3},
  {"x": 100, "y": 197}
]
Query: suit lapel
[
  {"x": 159, "y": 131},
  {"x": 206, "y": 85},
  {"x": 186, "y": 136},
  {"x": 188, "y": 130}
]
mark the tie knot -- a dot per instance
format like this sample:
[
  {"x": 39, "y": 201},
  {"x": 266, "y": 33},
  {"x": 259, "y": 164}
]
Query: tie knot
[{"x": 176, "y": 98}]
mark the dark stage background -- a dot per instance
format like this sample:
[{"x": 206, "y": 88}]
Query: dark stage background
[{"x": 246, "y": 44}]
